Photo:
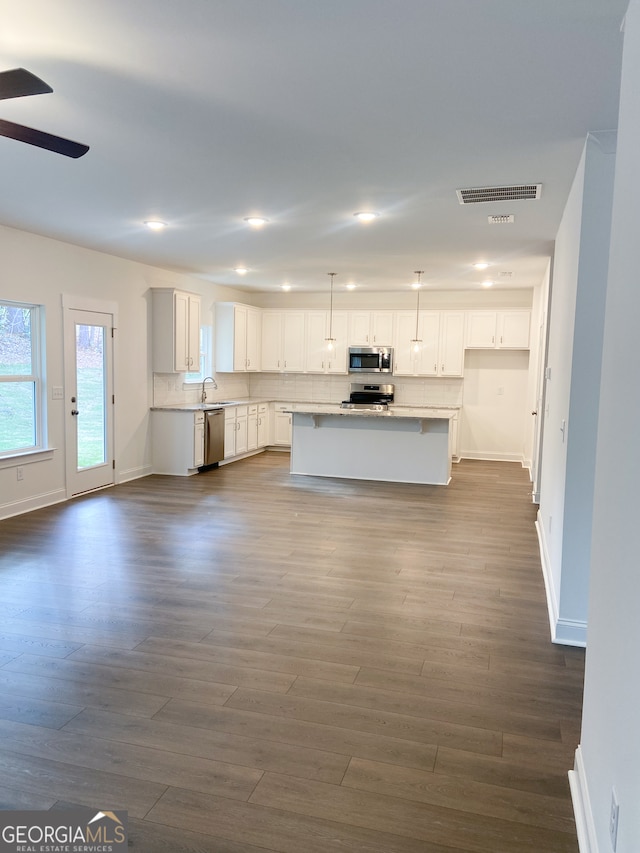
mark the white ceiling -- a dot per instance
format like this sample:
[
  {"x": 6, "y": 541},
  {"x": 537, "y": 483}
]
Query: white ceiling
[{"x": 202, "y": 112}]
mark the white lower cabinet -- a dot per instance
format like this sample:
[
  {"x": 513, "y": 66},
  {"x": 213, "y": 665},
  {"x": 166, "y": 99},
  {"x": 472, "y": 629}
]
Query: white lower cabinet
[
  {"x": 177, "y": 441},
  {"x": 252, "y": 427},
  {"x": 281, "y": 425},
  {"x": 198, "y": 439},
  {"x": 453, "y": 436},
  {"x": 263, "y": 425},
  {"x": 235, "y": 431},
  {"x": 246, "y": 429}
]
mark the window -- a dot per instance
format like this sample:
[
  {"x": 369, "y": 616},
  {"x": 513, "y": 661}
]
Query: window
[
  {"x": 206, "y": 338},
  {"x": 20, "y": 378}
]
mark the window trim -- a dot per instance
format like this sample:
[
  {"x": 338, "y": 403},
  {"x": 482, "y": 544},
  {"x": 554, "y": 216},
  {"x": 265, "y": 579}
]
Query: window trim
[
  {"x": 37, "y": 376},
  {"x": 206, "y": 358}
]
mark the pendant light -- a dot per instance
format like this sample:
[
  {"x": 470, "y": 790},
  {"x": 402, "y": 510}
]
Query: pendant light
[
  {"x": 330, "y": 341},
  {"x": 417, "y": 285}
]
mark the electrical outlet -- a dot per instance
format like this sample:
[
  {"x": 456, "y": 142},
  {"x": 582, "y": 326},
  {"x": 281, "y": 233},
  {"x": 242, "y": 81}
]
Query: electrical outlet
[
  {"x": 20, "y": 472},
  {"x": 613, "y": 820}
]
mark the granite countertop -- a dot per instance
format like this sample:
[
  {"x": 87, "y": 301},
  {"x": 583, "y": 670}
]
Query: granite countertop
[
  {"x": 206, "y": 407},
  {"x": 396, "y": 410},
  {"x": 393, "y": 412}
]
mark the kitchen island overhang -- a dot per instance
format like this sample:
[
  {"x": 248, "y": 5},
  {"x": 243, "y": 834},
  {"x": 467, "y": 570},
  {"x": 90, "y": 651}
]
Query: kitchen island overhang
[{"x": 390, "y": 446}]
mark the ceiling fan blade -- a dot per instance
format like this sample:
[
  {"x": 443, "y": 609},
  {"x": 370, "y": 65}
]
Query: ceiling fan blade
[
  {"x": 19, "y": 82},
  {"x": 42, "y": 140}
]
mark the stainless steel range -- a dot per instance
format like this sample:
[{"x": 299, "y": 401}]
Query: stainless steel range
[{"x": 367, "y": 396}]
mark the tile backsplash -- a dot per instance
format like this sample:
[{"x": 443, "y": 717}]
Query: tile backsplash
[
  {"x": 169, "y": 389},
  {"x": 297, "y": 387}
]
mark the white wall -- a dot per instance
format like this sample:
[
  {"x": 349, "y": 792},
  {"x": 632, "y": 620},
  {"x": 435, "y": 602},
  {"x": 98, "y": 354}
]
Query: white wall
[
  {"x": 39, "y": 270},
  {"x": 535, "y": 383},
  {"x": 402, "y": 299},
  {"x": 609, "y": 755},
  {"x": 571, "y": 410},
  {"x": 494, "y": 405}
]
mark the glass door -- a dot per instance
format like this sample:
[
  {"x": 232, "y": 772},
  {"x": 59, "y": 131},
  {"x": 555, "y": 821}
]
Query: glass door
[{"x": 89, "y": 400}]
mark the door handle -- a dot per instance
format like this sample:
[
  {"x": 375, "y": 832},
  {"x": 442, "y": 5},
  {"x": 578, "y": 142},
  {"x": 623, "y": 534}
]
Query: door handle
[
  {"x": 75, "y": 412},
  {"x": 534, "y": 413}
]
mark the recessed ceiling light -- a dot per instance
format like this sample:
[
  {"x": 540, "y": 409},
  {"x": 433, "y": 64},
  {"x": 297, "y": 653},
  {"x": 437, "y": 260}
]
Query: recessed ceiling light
[
  {"x": 366, "y": 215},
  {"x": 351, "y": 286},
  {"x": 481, "y": 265},
  {"x": 487, "y": 284},
  {"x": 285, "y": 286},
  {"x": 155, "y": 224},
  {"x": 241, "y": 270},
  {"x": 256, "y": 221}
]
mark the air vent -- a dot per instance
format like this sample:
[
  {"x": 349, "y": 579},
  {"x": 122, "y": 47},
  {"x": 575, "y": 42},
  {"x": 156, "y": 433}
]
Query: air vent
[
  {"x": 505, "y": 274},
  {"x": 477, "y": 195},
  {"x": 503, "y": 219}
]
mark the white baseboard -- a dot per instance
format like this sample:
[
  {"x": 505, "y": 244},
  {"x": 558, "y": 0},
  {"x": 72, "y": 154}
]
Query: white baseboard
[
  {"x": 242, "y": 456},
  {"x": 491, "y": 456},
  {"x": 38, "y": 502},
  {"x": 134, "y": 473},
  {"x": 566, "y": 632},
  {"x": 585, "y": 826}
]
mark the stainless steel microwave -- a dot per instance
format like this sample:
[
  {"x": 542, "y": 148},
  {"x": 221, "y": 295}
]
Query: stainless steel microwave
[{"x": 370, "y": 360}]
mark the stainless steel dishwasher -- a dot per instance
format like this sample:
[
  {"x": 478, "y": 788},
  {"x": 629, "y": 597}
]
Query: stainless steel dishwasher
[{"x": 213, "y": 437}]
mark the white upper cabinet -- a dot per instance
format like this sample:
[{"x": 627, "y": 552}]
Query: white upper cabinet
[
  {"x": 451, "y": 349},
  {"x": 238, "y": 331},
  {"x": 405, "y": 355},
  {"x": 438, "y": 350},
  {"x": 318, "y": 357},
  {"x": 481, "y": 330},
  {"x": 371, "y": 328},
  {"x": 337, "y": 357},
  {"x": 293, "y": 341},
  {"x": 271, "y": 340},
  {"x": 176, "y": 331},
  {"x": 283, "y": 341},
  {"x": 498, "y": 329},
  {"x": 316, "y": 343},
  {"x": 513, "y": 329},
  {"x": 254, "y": 338}
]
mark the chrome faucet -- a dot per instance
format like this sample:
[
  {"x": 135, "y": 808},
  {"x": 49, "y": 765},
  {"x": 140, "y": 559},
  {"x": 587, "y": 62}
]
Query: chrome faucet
[{"x": 203, "y": 396}]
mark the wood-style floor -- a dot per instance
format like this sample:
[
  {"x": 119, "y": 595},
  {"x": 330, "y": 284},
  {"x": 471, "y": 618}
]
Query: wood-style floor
[{"x": 248, "y": 661}]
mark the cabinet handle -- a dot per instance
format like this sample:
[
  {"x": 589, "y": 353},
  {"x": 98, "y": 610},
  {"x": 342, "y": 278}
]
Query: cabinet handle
[
  {"x": 285, "y": 364},
  {"x": 493, "y": 339},
  {"x": 443, "y": 368},
  {"x": 435, "y": 368},
  {"x": 500, "y": 338}
]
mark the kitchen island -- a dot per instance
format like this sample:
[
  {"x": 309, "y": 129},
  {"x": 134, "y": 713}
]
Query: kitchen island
[{"x": 400, "y": 445}]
